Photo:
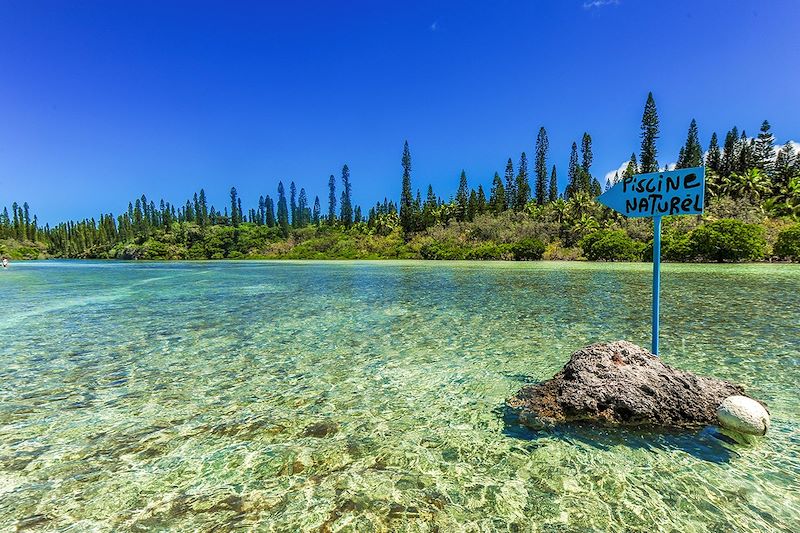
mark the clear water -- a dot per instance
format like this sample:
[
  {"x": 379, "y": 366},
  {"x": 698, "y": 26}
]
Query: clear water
[{"x": 184, "y": 396}]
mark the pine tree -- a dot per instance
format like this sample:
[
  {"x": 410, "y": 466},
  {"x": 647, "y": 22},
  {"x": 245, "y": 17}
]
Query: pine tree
[
  {"x": 316, "y": 213},
  {"x": 331, "y": 200},
  {"x": 497, "y": 195},
  {"x": 462, "y": 198},
  {"x": 542, "y": 146},
  {"x": 429, "y": 208},
  {"x": 511, "y": 185},
  {"x": 293, "y": 205},
  {"x": 572, "y": 172},
  {"x": 472, "y": 205},
  {"x": 648, "y": 155},
  {"x": 745, "y": 151},
  {"x": 283, "y": 210},
  {"x": 481, "y": 200},
  {"x": 262, "y": 211},
  {"x": 196, "y": 206},
  {"x": 302, "y": 209},
  {"x": 269, "y": 206},
  {"x": 406, "y": 198},
  {"x": 730, "y": 155},
  {"x": 234, "y": 206},
  {"x": 763, "y": 149},
  {"x": 632, "y": 169},
  {"x": 691, "y": 154},
  {"x": 587, "y": 157},
  {"x": 347, "y": 205},
  {"x": 523, "y": 183},
  {"x": 553, "y": 188},
  {"x": 786, "y": 166},
  {"x": 714, "y": 156}
]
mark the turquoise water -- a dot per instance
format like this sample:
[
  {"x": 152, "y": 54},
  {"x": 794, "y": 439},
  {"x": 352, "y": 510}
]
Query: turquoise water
[{"x": 367, "y": 396}]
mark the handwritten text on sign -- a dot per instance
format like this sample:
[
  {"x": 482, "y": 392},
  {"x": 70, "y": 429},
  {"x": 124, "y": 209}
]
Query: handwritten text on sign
[{"x": 674, "y": 192}]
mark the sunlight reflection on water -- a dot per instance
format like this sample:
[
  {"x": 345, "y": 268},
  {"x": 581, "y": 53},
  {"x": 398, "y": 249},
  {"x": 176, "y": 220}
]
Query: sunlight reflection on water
[{"x": 368, "y": 396}]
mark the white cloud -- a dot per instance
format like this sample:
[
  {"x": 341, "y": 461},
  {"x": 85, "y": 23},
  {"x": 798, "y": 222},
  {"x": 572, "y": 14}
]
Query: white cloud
[
  {"x": 794, "y": 144},
  {"x": 600, "y": 3},
  {"x": 620, "y": 170}
]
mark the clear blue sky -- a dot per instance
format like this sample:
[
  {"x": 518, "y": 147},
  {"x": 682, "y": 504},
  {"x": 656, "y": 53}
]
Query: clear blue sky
[{"x": 103, "y": 101}]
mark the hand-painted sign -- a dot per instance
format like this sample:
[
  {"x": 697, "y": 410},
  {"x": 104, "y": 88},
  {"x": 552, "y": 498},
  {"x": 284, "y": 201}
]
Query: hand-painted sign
[
  {"x": 657, "y": 194},
  {"x": 674, "y": 192}
]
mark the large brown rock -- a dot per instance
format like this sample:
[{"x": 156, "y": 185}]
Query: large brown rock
[{"x": 620, "y": 383}]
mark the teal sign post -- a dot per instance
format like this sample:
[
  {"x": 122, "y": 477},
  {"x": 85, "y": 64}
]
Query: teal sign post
[{"x": 658, "y": 194}]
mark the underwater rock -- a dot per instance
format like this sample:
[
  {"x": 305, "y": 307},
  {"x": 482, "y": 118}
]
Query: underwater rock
[
  {"x": 743, "y": 414},
  {"x": 321, "y": 429},
  {"x": 620, "y": 383}
]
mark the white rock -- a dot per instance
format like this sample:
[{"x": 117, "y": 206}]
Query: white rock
[{"x": 743, "y": 414}]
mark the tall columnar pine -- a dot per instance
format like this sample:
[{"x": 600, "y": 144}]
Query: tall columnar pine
[
  {"x": 497, "y": 195},
  {"x": 315, "y": 215},
  {"x": 283, "y": 210},
  {"x": 462, "y": 198},
  {"x": 269, "y": 207},
  {"x": 239, "y": 210},
  {"x": 745, "y": 150},
  {"x": 691, "y": 154},
  {"x": 407, "y": 214},
  {"x": 293, "y": 205},
  {"x": 203, "y": 208},
  {"x": 648, "y": 156},
  {"x": 472, "y": 205},
  {"x": 523, "y": 183},
  {"x": 347, "y": 204},
  {"x": 714, "y": 155},
  {"x": 234, "y": 206},
  {"x": 787, "y": 166},
  {"x": 331, "y": 200},
  {"x": 763, "y": 150},
  {"x": 262, "y": 211},
  {"x": 188, "y": 212},
  {"x": 552, "y": 189},
  {"x": 730, "y": 155},
  {"x": 481, "y": 200},
  {"x": 542, "y": 146},
  {"x": 511, "y": 185},
  {"x": 303, "y": 215},
  {"x": 595, "y": 189},
  {"x": 585, "y": 183},
  {"x": 195, "y": 208},
  {"x": 572, "y": 172},
  {"x": 610, "y": 183}
]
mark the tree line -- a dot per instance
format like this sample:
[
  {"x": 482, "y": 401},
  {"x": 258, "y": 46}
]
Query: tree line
[{"x": 745, "y": 169}]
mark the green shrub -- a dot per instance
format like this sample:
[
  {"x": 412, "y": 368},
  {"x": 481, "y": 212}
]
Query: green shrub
[
  {"x": 528, "y": 250},
  {"x": 728, "y": 240},
  {"x": 611, "y": 245},
  {"x": 488, "y": 251},
  {"x": 442, "y": 250},
  {"x": 675, "y": 246},
  {"x": 788, "y": 243}
]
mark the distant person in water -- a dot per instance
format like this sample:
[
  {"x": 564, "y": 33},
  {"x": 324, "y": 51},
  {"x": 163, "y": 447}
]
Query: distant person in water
[{"x": 5, "y": 262}]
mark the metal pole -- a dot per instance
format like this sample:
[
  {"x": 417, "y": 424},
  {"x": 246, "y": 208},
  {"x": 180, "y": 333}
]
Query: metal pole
[{"x": 656, "y": 279}]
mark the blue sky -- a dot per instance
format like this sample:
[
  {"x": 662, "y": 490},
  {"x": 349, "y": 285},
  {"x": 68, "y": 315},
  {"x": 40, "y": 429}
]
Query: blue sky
[{"x": 103, "y": 101}]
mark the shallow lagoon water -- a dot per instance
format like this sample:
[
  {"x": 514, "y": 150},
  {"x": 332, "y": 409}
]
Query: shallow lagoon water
[{"x": 367, "y": 396}]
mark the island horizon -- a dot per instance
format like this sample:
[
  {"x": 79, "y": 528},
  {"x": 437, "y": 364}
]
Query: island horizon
[{"x": 752, "y": 196}]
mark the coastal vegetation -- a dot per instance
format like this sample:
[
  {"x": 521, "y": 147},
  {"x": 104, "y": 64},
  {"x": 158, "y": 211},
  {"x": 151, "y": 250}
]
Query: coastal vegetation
[{"x": 752, "y": 213}]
